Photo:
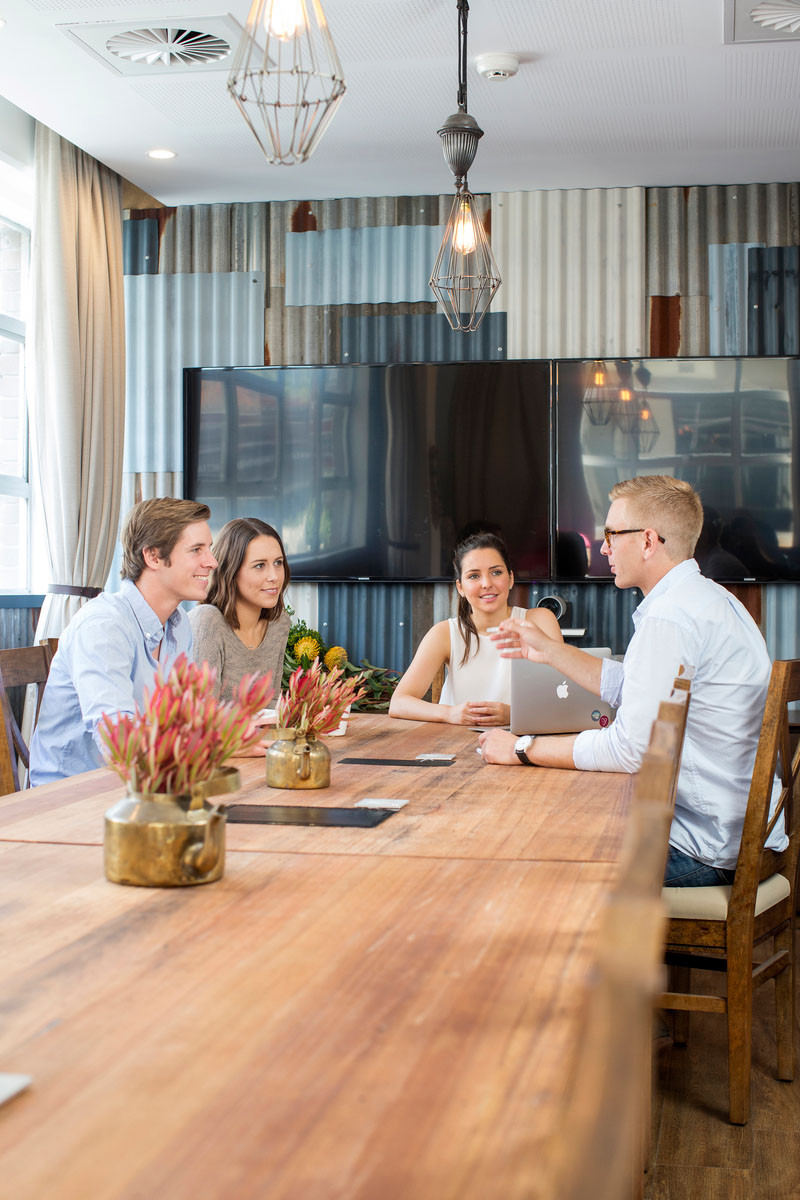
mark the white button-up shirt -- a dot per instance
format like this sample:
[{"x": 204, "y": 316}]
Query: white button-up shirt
[{"x": 687, "y": 619}]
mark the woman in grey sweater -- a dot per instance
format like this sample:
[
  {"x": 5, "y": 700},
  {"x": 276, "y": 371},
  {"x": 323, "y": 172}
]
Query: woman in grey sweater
[{"x": 242, "y": 627}]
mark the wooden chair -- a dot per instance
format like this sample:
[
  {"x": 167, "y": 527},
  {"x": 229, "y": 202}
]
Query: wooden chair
[
  {"x": 18, "y": 668},
  {"x": 717, "y": 927},
  {"x": 607, "y": 1113},
  {"x": 437, "y": 685}
]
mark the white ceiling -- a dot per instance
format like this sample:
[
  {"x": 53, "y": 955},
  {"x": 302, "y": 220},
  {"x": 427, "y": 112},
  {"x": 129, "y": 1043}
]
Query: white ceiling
[{"x": 609, "y": 92}]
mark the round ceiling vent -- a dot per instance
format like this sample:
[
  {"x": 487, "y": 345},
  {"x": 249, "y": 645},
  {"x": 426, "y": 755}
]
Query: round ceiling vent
[
  {"x": 778, "y": 15},
  {"x": 169, "y": 47}
]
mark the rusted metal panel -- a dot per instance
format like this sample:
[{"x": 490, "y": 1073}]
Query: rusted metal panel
[{"x": 683, "y": 222}]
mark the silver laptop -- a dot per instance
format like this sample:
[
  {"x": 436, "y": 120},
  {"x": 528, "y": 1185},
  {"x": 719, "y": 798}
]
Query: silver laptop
[{"x": 543, "y": 701}]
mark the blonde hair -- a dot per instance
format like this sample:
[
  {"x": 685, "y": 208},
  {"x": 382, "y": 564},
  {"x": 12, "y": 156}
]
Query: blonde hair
[
  {"x": 157, "y": 525},
  {"x": 670, "y": 506}
]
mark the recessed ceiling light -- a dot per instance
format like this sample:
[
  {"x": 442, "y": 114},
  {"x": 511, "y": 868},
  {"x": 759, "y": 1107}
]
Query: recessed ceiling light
[
  {"x": 161, "y": 154},
  {"x": 2, "y": 22}
]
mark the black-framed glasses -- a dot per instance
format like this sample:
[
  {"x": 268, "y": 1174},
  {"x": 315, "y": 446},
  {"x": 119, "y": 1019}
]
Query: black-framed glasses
[{"x": 608, "y": 534}]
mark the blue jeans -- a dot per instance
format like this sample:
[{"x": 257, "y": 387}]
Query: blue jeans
[{"x": 684, "y": 871}]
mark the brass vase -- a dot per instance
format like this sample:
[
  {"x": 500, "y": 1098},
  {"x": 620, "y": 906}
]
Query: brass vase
[
  {"x": 157, "y": 839},
  {"x": 298, "y": 760}
]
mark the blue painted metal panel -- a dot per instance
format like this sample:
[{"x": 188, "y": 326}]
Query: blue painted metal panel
[
  {"x": 773, "y": 325},
  {"x": 420, "y": 337},
  {"x": 140, "y": 247},
  {"x": 379, "y": 265},
  {"x": 177, "y": 321},
  {"x": 386, "y": 622},
  {"x": 727, "y": 297},
  {"x": 371, "y": 620}
]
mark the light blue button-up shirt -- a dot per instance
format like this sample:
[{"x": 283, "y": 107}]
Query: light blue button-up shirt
[
  {"x": 687, "y": 619},
  {"x": 105, "y": 663}
]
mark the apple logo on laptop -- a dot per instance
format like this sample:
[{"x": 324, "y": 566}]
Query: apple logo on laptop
[{"x": 562, "y": 691}]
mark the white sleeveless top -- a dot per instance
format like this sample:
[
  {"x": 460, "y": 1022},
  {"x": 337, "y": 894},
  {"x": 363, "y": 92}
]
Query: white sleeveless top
[{"x": 484, "y": 676}]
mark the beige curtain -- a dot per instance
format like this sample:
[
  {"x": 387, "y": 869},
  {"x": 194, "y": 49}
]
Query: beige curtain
[{"x": 77, "y": 383}]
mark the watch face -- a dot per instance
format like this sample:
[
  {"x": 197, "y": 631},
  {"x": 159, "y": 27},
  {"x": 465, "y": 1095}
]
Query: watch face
[{"x": 523, "y": 742}]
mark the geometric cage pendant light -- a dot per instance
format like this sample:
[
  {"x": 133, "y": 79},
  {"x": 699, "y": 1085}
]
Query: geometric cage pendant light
[
  {"x": 286, "y": 78},
  {"x": 465, "y": 275}
]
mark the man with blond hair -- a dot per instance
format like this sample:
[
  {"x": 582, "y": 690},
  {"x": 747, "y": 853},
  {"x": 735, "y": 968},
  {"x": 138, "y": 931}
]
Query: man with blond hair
[
  {"x": 684, "y": 621},
  {"x": 110, "y": 652}
]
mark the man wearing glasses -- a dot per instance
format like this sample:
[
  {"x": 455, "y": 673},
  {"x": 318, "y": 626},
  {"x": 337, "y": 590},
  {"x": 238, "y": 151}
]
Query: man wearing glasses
[{"x": 684, "y": 620}]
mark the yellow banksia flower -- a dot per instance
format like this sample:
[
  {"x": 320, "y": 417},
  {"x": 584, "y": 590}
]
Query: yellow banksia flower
[
  {"x": 308, "y": 646},
  {"x": 336, "y": 657}
]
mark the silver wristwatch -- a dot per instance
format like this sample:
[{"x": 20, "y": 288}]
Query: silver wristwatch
[{"x": 521, "y": 745}]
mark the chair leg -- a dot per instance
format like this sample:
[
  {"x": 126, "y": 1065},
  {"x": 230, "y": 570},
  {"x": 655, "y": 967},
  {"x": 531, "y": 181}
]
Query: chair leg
[
  {"x": 785, "y": 1007},
  {"x": 740, "y": 1038},
  {"x": 681, "y": 982}
]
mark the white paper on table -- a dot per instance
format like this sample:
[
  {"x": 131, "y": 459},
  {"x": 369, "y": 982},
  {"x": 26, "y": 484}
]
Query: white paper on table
[
  {"x": 373, "y": 802},
  {"x": 10, "y": 1085}
]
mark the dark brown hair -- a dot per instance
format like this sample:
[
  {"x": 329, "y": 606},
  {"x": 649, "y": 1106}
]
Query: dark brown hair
[
  {"x": 230, "y": 550},
  {"x": 483, "y": 540},
  {"x": 156, "y": 525}
]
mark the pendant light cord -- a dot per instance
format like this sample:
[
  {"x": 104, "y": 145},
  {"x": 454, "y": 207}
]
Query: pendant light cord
[{"x": 463, "y": 10}]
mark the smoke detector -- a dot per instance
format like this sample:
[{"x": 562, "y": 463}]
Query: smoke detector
[{"x": 497, "y": 65}]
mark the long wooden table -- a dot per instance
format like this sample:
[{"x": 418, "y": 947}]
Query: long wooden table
[{"x": 362, "y": 1013}]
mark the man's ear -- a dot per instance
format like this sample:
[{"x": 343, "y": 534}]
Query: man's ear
[
  {"x": 150, "y": 556},
  {"x": 651, "y": 542}
]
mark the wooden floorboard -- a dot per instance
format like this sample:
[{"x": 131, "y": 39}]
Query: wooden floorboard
[{"x": 696, "y": 1153}]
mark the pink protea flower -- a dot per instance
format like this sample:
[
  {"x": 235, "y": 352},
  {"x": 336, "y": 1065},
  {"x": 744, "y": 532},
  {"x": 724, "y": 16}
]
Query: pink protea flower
[
  {"x": 315, "y": 701},
  {"x": 181, "y": 734}
]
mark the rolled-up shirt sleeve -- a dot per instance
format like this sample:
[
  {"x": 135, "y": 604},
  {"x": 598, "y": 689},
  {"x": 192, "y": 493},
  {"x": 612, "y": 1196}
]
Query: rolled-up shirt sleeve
[
  {"x": 612, "y": 677},
  {"x": 654, "y": 657}
]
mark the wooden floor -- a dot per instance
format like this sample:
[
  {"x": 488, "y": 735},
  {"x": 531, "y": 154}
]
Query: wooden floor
[{"x": 696, "y": 1153}]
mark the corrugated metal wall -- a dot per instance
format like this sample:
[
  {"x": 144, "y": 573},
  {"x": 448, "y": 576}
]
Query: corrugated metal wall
[
  {"x": 682, "y": 224},
  {"x": 624, "y": 271},
  {"x": 572, "y": 264}
]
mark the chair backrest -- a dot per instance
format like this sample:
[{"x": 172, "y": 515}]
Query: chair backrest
[
  {"x": 755, "y": 862},
  {"x": 602, "y": 1151},
  {"x": 19, "y": 668}
]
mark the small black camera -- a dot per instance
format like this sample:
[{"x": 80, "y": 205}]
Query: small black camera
[{"x": 555, "y": 604}]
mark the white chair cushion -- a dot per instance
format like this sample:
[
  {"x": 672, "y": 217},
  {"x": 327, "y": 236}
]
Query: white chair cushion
[{"x": 711, "y": 903}]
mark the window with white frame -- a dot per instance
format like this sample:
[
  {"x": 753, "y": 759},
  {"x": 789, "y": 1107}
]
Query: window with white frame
[{"x": 15, "y": 489}]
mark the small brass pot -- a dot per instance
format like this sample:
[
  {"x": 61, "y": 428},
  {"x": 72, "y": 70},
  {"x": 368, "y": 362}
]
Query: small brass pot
[
  {"x": 158, "y": 839},
  {"x": 298, "y": 760}
]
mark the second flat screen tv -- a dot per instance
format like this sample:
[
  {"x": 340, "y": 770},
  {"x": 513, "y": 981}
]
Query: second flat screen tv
[{"x": 373, "y": 472}]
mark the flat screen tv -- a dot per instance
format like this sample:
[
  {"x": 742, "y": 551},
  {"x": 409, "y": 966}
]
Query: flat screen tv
[
  {"x": 373, "y": 472},
  {"x": 729, "y": 426}
]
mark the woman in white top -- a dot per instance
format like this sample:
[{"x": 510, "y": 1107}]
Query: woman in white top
[{"x": 477, "y": 688}]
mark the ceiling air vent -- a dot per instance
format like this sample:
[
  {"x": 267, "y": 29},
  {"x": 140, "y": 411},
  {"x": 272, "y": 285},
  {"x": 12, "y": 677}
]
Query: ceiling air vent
[
  {"x": 168, "y": 47},
  {"x": 778, "y": 14},
  {"x": 764, "y": 21}
]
